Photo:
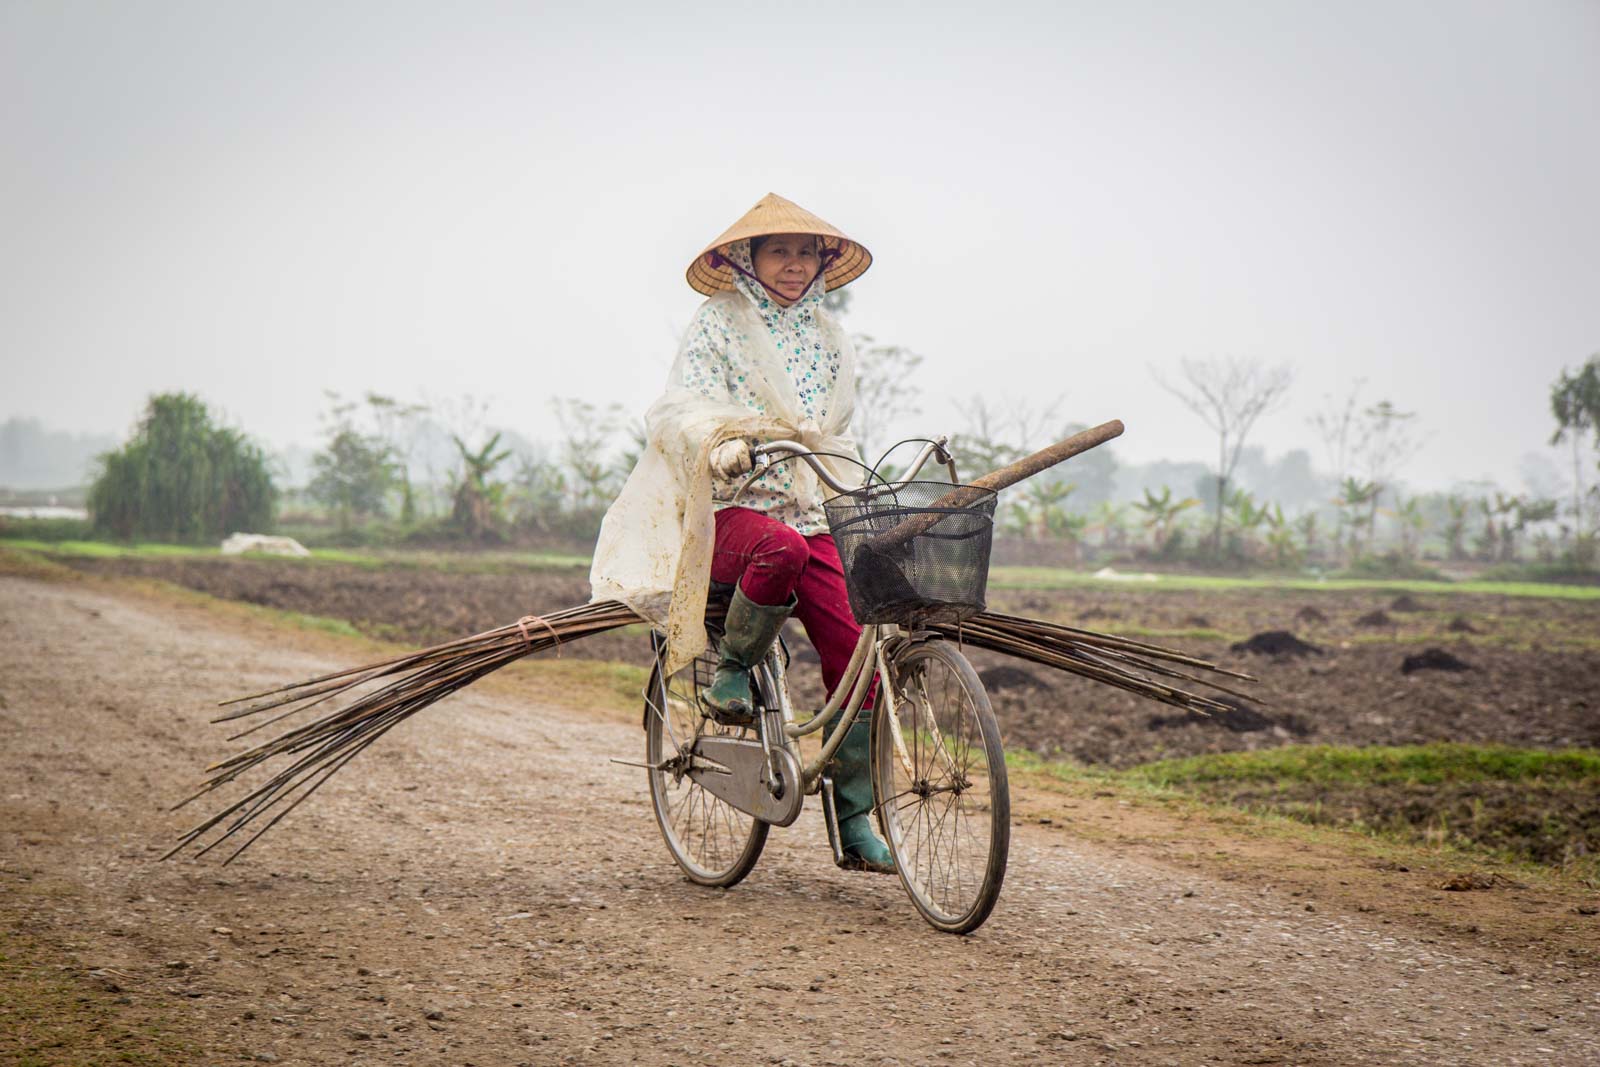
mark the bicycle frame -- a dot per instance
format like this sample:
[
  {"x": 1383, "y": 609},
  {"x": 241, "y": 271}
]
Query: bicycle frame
[
  {"x": 949, "y": 848},
  {"x": 873, "y": 652}
]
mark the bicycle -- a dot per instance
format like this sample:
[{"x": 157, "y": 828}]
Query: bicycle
[{"x": 938, "y": 772}]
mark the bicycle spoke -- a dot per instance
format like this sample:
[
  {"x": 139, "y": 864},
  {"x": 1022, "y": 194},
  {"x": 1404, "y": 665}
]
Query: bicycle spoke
[
  {"x": 713, "y": 842},
  {"x": 946, "y": 812}
]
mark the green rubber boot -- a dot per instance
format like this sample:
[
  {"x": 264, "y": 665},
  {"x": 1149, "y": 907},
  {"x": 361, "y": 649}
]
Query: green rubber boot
[
  {"x": 852, "y": 798},
  {"x": 748, "y": 631}
]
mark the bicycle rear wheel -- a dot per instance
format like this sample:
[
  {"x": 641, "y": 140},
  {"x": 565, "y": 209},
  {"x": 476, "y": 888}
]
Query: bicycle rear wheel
[
  {"x": 713, "y": 842},
  {"x": 939, "y": 777}
]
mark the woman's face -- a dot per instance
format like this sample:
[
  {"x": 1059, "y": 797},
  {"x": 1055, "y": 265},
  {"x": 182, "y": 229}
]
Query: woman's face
[{"x": 786, "y": 264}]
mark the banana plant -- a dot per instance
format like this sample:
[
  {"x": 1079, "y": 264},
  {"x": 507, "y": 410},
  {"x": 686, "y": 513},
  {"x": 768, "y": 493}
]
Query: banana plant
[
  {"x": 1048, "y": 516},
  {"x": 1161, "y": 514},
  {"x": 1528, "y": 512},
  {"x": 1502, "y": 538},
  {"x": 1110, "y": 520},
  {"x": 1281, "y": 538},
  {"x": 1308, "y": 533},
  {"x": 1412, "y": 521},
  {"x": 1242, "y": 518},
  {"x": 1356, "y": 501},
  {"x": 479, "y": 502},
  {"x": 1455, "y": 526}
]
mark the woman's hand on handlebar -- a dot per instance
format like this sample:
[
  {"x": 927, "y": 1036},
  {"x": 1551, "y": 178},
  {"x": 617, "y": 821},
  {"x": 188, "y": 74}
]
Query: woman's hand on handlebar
[{"x": 732, "y": 458}]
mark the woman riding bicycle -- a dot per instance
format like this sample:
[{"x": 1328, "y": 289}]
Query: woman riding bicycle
[{"x": 762, "y": 360}]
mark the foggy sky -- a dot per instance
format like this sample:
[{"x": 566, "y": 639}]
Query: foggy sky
[{"x": 262, "y": 202}]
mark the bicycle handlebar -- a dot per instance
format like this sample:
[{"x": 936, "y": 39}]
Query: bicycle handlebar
[{"x": 773, "y": 452}]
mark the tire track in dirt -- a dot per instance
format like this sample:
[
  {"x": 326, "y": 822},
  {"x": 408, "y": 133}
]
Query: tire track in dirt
[{"x": 483, "y": 887}]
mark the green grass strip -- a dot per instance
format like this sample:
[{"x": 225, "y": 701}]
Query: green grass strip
[
  {"x": 1061, "y": 578},
  {"x": 451, "y": 562},
  {"x": 1435, "y": 764},
  {"x": 107, "y": 549}
]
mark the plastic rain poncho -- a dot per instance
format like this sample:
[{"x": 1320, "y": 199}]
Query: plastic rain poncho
[{"x": 748, "y": 368}]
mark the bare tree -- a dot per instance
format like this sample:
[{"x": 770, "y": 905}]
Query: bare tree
[
  {"x": 1229, "y": 395},
  {"x": 1387, "y": 440},
  {"x": 1337, "y": 425},
  {"x": 1575, "y": 403},
  {"x": 397, "y": 427},
  {"x": 586, "y": 433}
]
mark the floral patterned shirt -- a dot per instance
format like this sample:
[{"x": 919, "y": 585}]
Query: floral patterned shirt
[{"x": 712, "y": 368}]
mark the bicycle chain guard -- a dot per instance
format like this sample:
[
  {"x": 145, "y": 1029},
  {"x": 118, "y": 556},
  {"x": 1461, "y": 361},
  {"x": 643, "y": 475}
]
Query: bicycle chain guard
[{"x": 741, "y": 777}]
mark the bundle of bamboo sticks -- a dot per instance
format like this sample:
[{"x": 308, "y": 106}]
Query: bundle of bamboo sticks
[
  {"x": 318, "y": 749},
  {"x": 1116, "y": 661},
  {"x": 381, "y": 695}
]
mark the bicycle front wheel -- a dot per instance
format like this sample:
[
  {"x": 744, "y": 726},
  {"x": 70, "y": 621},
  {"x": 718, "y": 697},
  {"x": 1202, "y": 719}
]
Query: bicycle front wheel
[
  {"x": 940, "y": 781},
  {"x": 713, "y": 842}
]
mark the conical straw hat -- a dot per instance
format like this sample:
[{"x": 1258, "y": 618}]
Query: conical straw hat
[{"x": 773, "y": 214}]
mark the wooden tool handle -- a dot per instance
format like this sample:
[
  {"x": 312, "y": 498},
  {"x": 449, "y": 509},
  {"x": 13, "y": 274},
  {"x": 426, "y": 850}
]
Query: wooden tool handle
[
  {"x": 1045, "y": 458},
  {"x": 996, "y": 480}
]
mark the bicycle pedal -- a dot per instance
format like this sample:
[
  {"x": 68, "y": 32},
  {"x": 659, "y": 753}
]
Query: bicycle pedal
[
  {"x": 726, "y": 718},
  {"x": 856, "y": 863}
]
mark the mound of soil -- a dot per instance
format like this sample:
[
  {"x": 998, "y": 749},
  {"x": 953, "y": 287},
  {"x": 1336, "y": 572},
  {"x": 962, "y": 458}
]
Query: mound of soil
[
  {"x": 1199, "y": 622},
  {"x": 1469, "y": 881},
  {"x": 1462, "y": 625},
  {"x": 1375, "y": 618},
  {"x": 1240, "y": 717},
  {"x": 1237, "y": 717},
  {"x": 1433, "y": 659},
  {"x": 1276, "y": 643},
  {"x": 1309, "y": 615},
  {"x": 1000, "y": 679},
  {"x": 1406, "y": 602}
]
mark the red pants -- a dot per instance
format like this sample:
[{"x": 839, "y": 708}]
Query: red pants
[{"x": 770, "y": 560}]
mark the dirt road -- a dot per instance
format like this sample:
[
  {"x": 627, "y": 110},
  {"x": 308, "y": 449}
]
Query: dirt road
[{"x": 484, "y": 888}]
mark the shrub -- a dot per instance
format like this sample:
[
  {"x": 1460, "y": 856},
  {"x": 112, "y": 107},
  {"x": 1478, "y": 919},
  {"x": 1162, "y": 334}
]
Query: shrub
[
  {"x": 182, "y": 478},
  {"x": 353, "y": 476}
]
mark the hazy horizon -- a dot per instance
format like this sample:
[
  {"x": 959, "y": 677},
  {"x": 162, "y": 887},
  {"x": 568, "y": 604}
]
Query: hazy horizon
[{"x": 261, "y": 204}]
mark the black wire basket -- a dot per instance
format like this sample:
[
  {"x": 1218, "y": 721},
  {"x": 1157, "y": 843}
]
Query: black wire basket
[{"x": 914, "y": 551}]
